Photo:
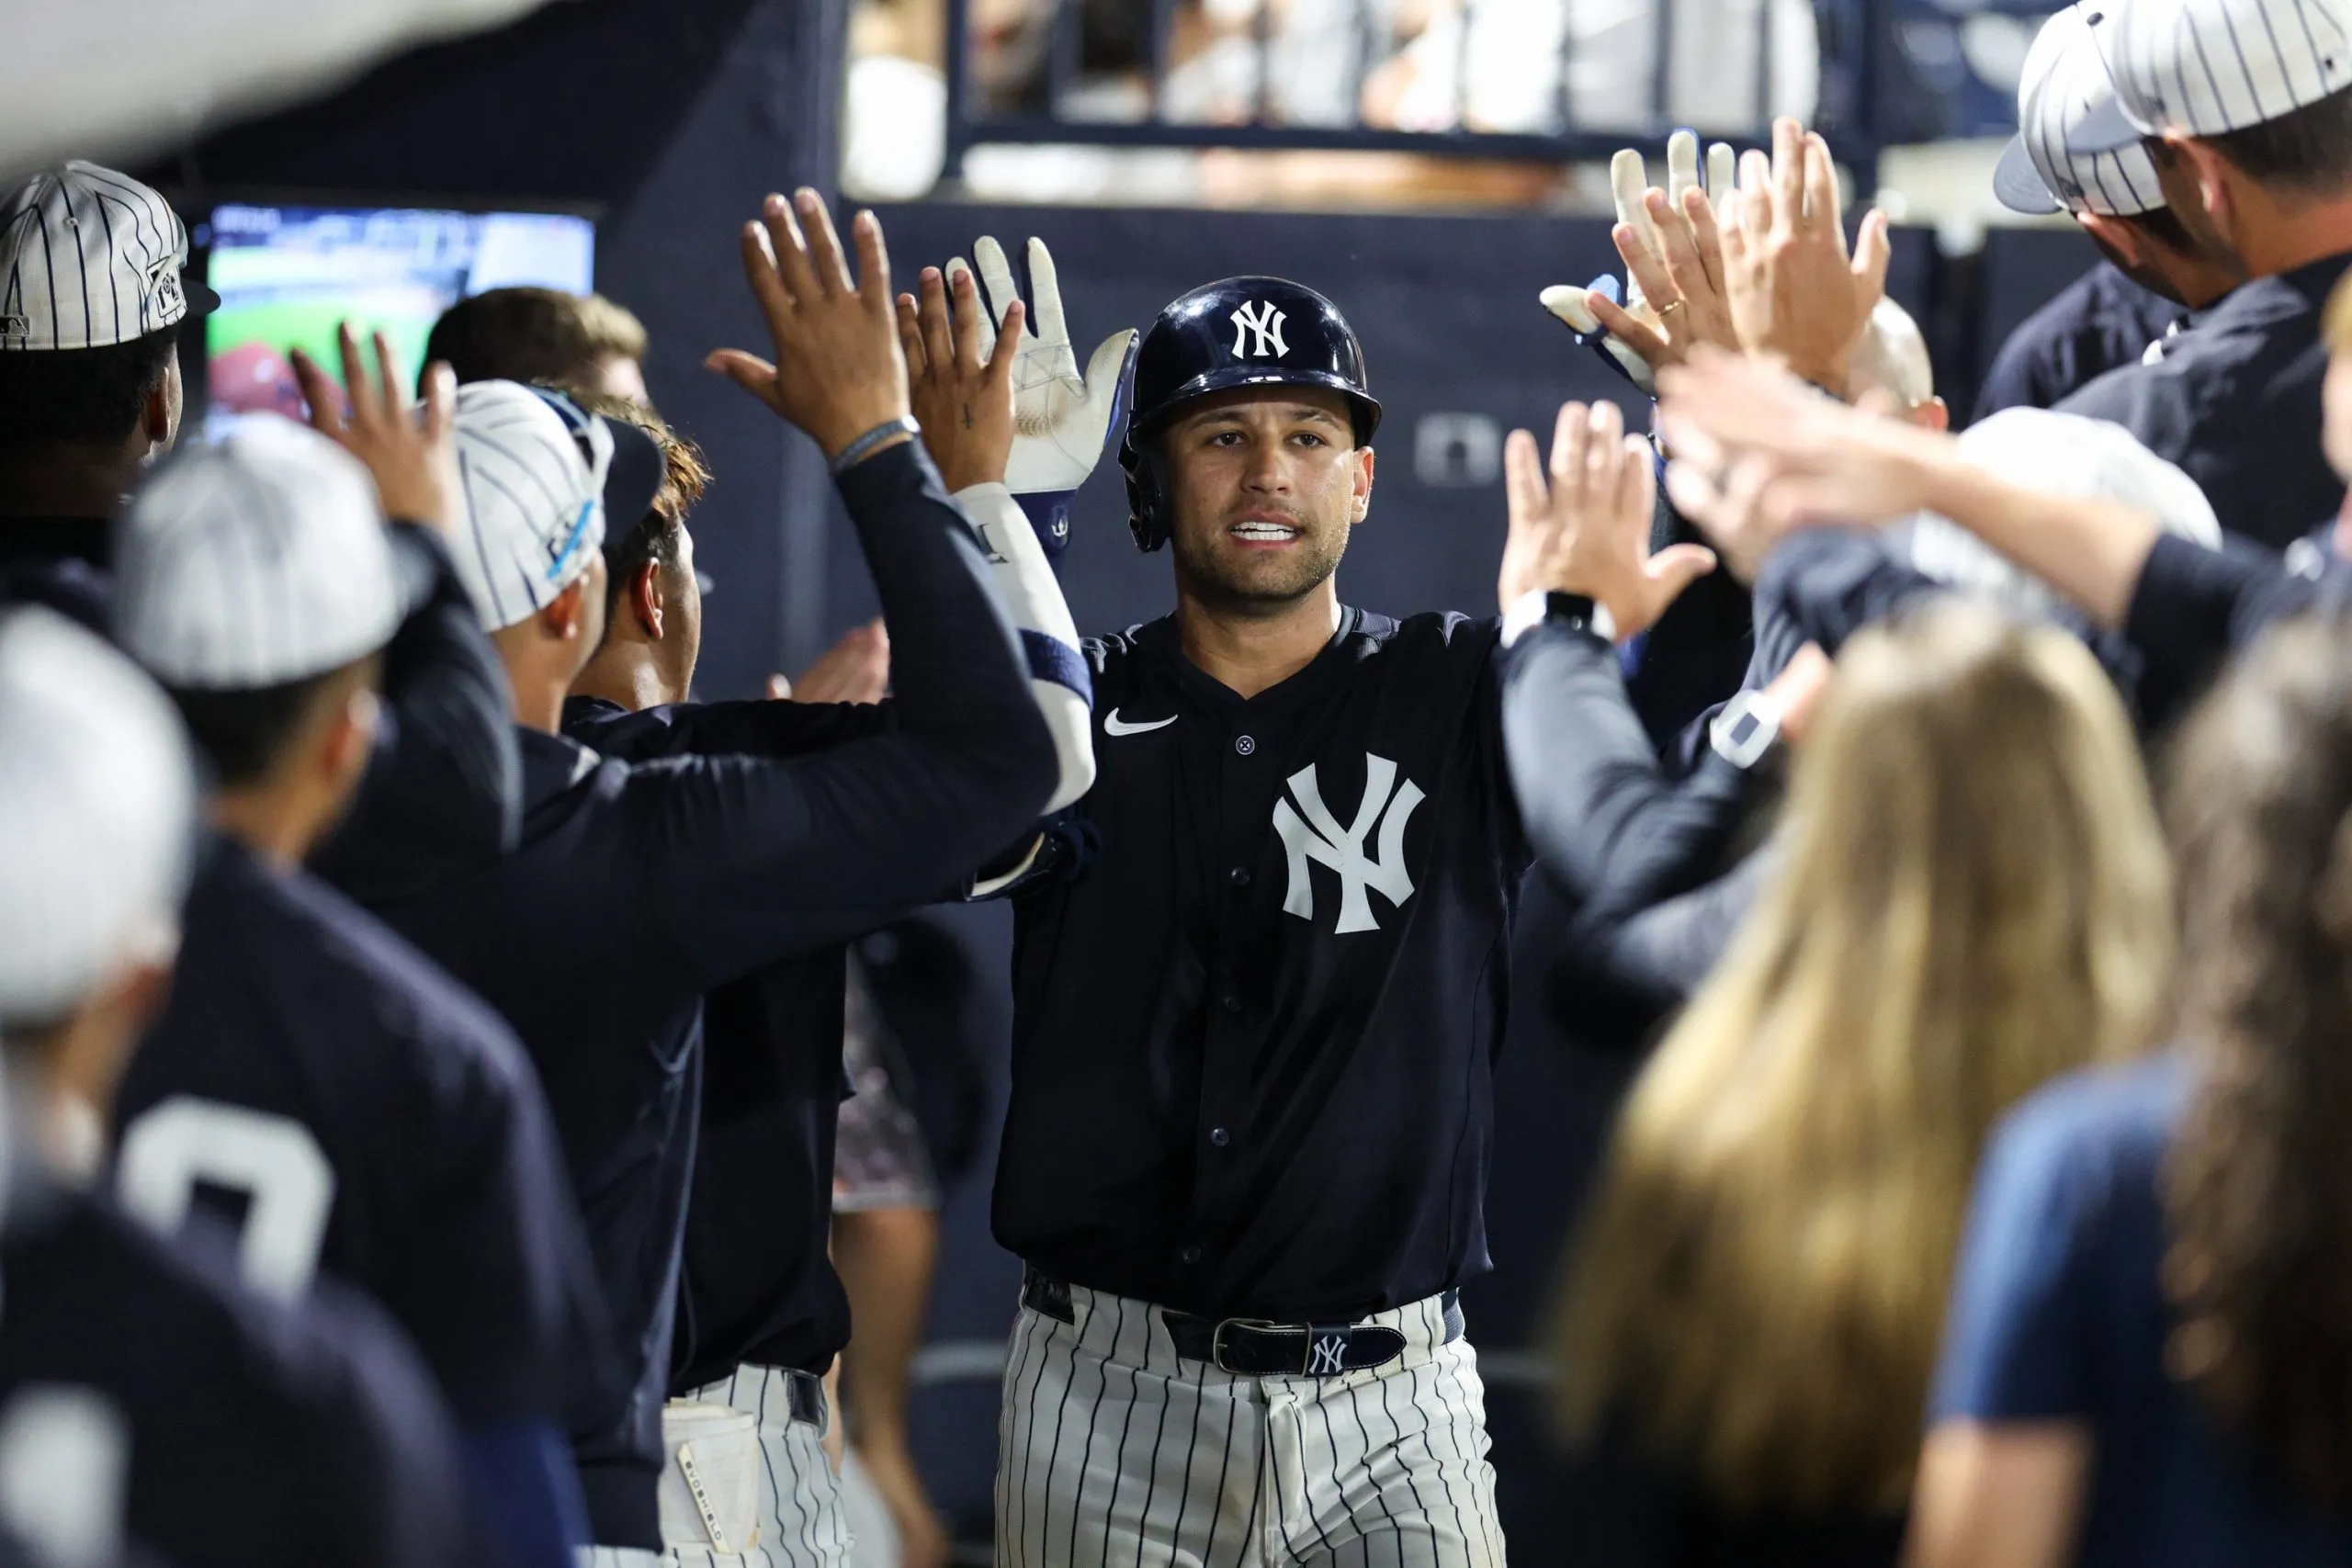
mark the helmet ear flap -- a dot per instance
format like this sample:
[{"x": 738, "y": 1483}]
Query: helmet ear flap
[{"x": 1148, "y": 517}]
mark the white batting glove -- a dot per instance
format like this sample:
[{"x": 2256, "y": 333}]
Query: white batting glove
[
  {"x": 1061, "y": 420},
  {"x": 1629, "y": 182}
]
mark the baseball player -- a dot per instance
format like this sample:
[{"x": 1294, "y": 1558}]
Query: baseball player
[
  {"x": 252, "y": 1434},
  {"x": 1245, "y": 1155},
  {"x": 637, "y": 888},
  {"x": 765, "y": 1311},
  {"x": 2113, "y": 313},
  {"x": 377, "y": 1123},
  {"x": 2249, "y": 129},
  {"x": 92, "y": 299}
]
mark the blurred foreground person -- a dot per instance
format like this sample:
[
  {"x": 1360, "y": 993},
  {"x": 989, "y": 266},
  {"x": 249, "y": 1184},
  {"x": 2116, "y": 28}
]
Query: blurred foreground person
[
  {"x": 255, "y": 1436},
  {"x": 1973, "y": 900},
  {"x": 315, "y": 1084},
  {"x": 2149, "y": 1356},
  {"x": 89, "y": 374}
]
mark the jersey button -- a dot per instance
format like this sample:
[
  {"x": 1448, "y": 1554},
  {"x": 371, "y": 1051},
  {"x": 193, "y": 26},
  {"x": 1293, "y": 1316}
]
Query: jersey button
[
  {"x": 1188, "y": 1256},
  {"x": 1245, "y": 744},
  {"x": 1231, "y": 1002},
  {"x": 1219, "y": 1136},
  {"x": 1238, "y": 876}
]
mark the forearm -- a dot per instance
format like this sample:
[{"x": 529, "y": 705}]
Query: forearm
[
  {"x": 1058, "y": 679},
  {"x": 1600, "y": 815},
  {"x": 2090, "y": 551}
]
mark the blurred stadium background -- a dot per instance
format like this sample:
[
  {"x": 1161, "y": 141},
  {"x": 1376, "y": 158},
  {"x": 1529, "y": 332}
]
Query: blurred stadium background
[{"x": 1428, "y": 163}]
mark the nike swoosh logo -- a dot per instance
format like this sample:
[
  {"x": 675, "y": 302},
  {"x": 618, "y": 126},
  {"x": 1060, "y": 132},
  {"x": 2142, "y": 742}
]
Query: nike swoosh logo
[{"x": 1111, "y": 725}]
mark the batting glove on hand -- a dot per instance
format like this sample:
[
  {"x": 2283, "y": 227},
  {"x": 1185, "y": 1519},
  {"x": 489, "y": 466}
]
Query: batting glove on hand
[
  {"x": 1062, "y": 420},
  {"x": 1629, "y": 183}
]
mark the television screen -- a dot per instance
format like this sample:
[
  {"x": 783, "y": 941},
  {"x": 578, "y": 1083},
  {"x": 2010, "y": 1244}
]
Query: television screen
[{"x": 286, "y": 275}]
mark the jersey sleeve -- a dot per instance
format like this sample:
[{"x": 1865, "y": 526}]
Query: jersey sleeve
[
  {"x": 761, "y": 857},
  {"x": 445, "y": 778},
  {"x": 2018, "y": 1338},
  {"x": 745, "y": 728},
  {"x": 1603, "y": 820}
]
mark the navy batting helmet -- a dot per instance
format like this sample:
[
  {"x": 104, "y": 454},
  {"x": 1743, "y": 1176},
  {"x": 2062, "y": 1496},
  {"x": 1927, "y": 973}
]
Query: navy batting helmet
[{"x": 1242, "y": 332}]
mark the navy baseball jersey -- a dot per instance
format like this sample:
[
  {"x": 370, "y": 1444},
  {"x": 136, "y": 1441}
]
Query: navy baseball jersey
[
  {"x": 1254, "y": 1039},
  {"x": 635, "y": 888},
  {"x": 66, "y": 563},
  {"x": 351, "y": 1109},
  {"x": 756, "y": 1283},
  {"x": 2235, "y": 400},
  {"x": 259, "y": 1437},
  {"x": 2100, "y": 323}
]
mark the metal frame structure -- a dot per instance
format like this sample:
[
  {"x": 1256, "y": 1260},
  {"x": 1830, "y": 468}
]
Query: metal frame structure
[{"x": 1853, "y": 45}]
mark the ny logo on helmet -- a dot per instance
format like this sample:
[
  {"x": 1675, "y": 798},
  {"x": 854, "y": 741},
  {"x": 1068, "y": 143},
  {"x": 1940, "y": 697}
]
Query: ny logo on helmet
[
  {"x": 1258, "y": 332},
  {"x": 1318, "y": 836}
]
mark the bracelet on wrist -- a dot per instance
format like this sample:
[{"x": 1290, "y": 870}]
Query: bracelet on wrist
[{"x": 871, "y": 441}]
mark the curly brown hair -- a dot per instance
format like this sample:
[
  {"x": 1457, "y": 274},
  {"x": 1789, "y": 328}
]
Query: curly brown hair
[{"x": 2258, "y": 1185}]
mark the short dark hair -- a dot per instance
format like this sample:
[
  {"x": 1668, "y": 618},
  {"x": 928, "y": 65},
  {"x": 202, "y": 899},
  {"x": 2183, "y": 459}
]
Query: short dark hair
[
  {"x": 81, "y": 397},
  {"x": 2308, "y": 149},
  {"x": 534, "y": 335},
  {"x": 244, "y": 735}
]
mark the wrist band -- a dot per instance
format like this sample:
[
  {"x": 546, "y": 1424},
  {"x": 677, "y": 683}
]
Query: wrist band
[{"x": 862, "y": 448}]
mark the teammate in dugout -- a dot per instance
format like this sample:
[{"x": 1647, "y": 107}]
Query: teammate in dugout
[{"x": 1254, "y": 1029}]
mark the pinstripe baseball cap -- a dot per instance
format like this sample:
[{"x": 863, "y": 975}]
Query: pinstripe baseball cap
[
  {"x": 541, "y": 475},
  {"x": 98, "y": 815},
  {"x": 2206, "y": 67},
  {"x": 90, "y": 258},
  {"x": 254, "y": 560},
  {"x": 2064, "y": 79}
]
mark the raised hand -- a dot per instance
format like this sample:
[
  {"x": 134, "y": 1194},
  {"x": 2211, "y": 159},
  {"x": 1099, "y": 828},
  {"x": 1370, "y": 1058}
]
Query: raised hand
[
  {"x": 839, "y": 370},
  {"x": 1756, "y": 453},
  {"x": 413, "y": 455},
  {"x": 963, "y": 393},
  {"x": 1062, "y": 418},
  {"x": 854, "y": 670},
  {"x": 1795, "y": 293},
  {"x": 1673, "y": 297},
  {"x": 1585, "y": 527}
]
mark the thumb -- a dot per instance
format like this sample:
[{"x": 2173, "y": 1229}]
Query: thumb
[
  {"x": 1676, "y": 567},
  {"x": 1109, "y": 362},
  {"x": 1567, "y": 302},
  {"x": 748, "y": 371},
  {"x": 1872, "y": 250}
]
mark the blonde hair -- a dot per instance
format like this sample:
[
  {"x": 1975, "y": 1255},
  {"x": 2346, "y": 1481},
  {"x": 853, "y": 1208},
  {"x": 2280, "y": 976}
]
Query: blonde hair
[{"x": 1973, "y": 898}]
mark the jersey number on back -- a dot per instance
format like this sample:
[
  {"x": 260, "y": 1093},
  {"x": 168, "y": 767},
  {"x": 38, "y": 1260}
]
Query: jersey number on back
[{"x": 273, "y": 1160}]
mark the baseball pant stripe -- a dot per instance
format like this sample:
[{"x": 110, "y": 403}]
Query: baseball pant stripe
[
  {"x": 1238, "y": 1473},
  {"x": 801, "y": 1521}
]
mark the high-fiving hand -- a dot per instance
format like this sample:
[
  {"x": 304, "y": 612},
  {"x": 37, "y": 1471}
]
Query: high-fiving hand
[
  {"x": 411, "y": 453},
  {"x": 1585, "y": 528},
  {"x": 1795, "y": 293},
  {"x": 963, "y": 391},
  {"x": 839, "y": 371},
  {"x": 1674, "y": 290}
]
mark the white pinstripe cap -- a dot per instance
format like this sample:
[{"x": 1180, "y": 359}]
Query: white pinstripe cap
[
  {"x": 97, "y": 813},
  {"x": 89, "y": 258},
  {"x": 2064, "y": 80},
  {"x": 532, "y": 465},
  {"x": 254, "y": 560},
  {"x": 2206, "y": 67}
]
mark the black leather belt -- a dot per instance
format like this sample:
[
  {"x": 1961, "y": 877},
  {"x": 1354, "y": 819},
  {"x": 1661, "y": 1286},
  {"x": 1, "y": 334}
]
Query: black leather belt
[
  {"x": 1251, "y": 1347},
  {"x": 807, "y": 1396}
]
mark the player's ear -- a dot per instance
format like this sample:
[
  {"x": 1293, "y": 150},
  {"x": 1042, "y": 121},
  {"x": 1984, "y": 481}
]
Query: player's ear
[
  {"x": 1364, "y": 466},
  {"x": 351, "y": 734},
  {"x": 2214, "y": 177},
  {"x": 1934, "y": 414},
  {"x": 645, "y": 597},
  {"x": 565, "y": 616},
  {"x": 159, "y": 417}
]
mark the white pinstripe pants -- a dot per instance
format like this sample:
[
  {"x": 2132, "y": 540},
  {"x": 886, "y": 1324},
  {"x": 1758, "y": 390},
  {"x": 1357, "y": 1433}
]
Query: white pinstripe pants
[
  {"x": 801, "y": 1521},
  {"x": 1115, "y": 1453}
]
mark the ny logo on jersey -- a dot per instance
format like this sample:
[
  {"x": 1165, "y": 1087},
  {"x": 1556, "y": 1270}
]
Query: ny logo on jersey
[
  {"x": 1318, "y": 836},
  {"x": 1327, "y": 1354},
  {"x": 1259, "y": 326}
]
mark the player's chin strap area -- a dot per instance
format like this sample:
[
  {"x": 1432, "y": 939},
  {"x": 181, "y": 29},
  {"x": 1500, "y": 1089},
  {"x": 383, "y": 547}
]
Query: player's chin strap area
[{"x": 1248, "y": 1346}]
